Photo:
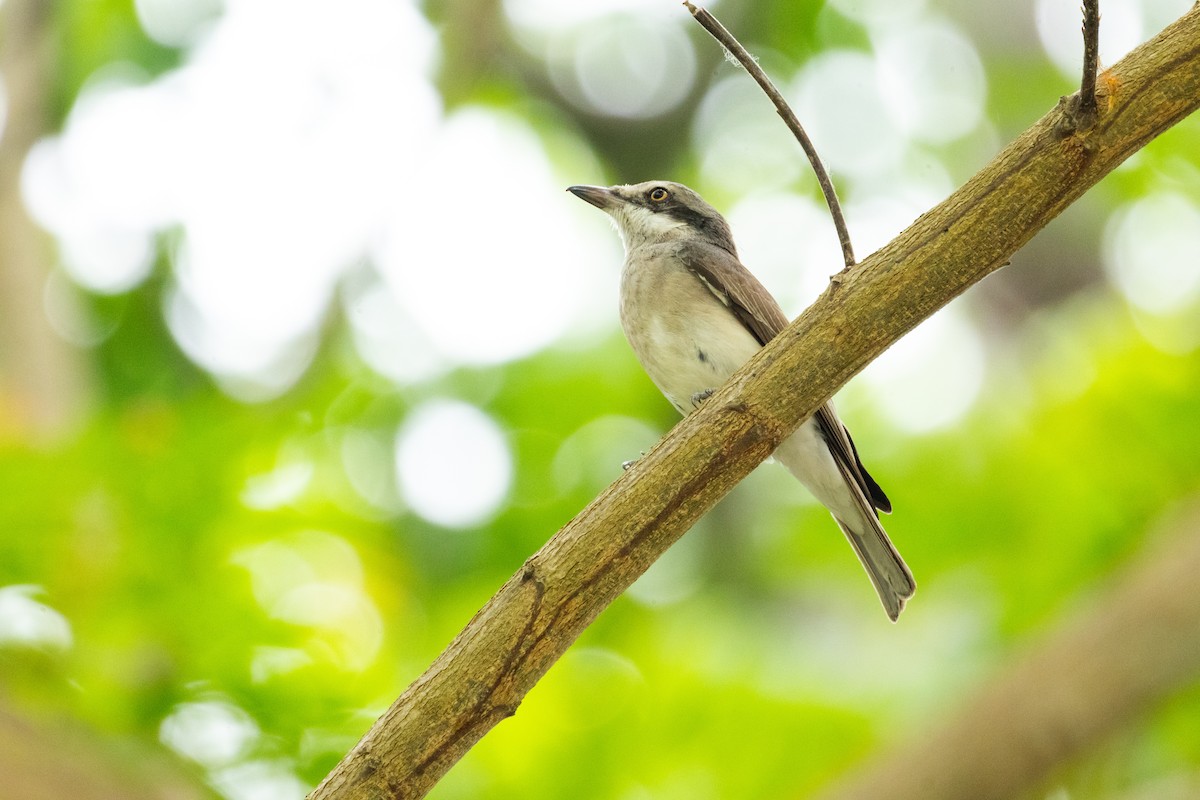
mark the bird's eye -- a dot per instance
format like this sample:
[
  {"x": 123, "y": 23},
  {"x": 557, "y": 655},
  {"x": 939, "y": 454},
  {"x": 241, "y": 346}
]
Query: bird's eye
[{"x": 658, "y": 194}]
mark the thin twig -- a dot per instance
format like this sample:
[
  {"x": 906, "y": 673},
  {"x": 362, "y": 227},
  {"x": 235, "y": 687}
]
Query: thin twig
[
  {"x": 1091, "y": 61},
  {"x": 735, "y": 48}
]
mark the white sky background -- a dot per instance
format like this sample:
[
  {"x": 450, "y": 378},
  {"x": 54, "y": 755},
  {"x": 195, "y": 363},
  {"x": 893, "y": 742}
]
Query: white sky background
[{"x": 301, "y": 140}]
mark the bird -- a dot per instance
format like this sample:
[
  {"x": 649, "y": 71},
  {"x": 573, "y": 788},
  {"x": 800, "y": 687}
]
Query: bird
[{"x": 693, "y": 314}]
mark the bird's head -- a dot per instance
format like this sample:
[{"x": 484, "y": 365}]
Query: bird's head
[{"x": 658, "y": 211}]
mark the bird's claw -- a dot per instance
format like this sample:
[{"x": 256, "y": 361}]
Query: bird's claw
[{"x": 700, "y": 397}]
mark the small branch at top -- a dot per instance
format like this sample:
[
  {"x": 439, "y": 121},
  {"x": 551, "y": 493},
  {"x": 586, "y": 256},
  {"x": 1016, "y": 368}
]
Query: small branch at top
[
  {"x": 1091, "y": 62},
  {"x": 735, "y": 48},
  {"x": 1080, "y": 111}
]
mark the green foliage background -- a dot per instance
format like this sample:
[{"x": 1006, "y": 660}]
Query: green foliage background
[{"x": 754, "y": 664}]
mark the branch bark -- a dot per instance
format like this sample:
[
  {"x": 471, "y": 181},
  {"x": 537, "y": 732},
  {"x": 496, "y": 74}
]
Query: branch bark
[
  {"x": 529, "y": 623},
  {"x": 1132, "y": 648},
  {"x": 1091, "y": 62}
]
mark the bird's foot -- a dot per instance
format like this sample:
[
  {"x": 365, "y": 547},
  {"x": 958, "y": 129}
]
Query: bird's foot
[{"x": 700, "y": 397}]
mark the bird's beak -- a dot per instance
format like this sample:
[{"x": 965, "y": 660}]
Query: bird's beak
[{"x": 598, "y": 196}]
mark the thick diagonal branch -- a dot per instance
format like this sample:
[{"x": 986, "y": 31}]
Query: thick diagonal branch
[{"x": 485, "y": 672}]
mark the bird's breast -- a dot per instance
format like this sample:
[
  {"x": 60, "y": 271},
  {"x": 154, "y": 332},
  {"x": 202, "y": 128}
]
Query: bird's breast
[{"x": 687, "y": 339}]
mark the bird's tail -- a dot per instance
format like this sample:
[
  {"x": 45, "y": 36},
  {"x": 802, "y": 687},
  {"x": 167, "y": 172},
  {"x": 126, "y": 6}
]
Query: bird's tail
[
  {"x": 888, "y": 573},
  {"x": 842, "y": 489}
]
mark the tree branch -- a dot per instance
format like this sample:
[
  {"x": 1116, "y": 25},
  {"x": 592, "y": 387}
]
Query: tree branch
[
  {"x": 743, "y": 57},
  {"x": 529, "y": 623},
  {"x": 1136, "y": 645},
  {"x": 1082, "y": 108},
  {"x": 1091, "y": 62}
]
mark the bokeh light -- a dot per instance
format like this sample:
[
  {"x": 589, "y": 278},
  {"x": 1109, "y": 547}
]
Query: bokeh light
[
  {"x": 369, "y": 463},
  {"x": 280, "y": 486},
  {"x": 1151, "y": 248},
  {"x": 453, "y": 464},
  {"x": 931, "y": 80},
  {"x": 68, "y": 312},
  {"x": 879, "y": 13},
  {"x": 1058, "y": 24},
  {"x": 739, "y": 142},
  {"x": 219, "y": 736},
  {"x": 614, "y": 58},
  {"x": 105, "y": 236},
  {"x": 930, "y": 378},
  {"x": 272, "y": 209},
  {"x": 314, "y": 579},
  {"x": 551, "y": 15},
  {"x": 592, "y": 456},
  {"x": 625, "y": 67},
  {"x": 853, "y": 138},
  {"x": 274, "y": 212},
  {"x": 210, "y": 732},
  {"x": 477, "y": 253},
  {"x": 889, "y": 202},
  {"x": 387, "y": 337},
  {"x": 175, "y": 23},
  {"x": 259, "y": 780},
  {"x": 789, "y": 243},
  {"x": 26, "y": 622}
]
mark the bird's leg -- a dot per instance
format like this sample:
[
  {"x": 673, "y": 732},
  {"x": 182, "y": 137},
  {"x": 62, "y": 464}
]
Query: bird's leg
[{"x": 700, "y": 397}]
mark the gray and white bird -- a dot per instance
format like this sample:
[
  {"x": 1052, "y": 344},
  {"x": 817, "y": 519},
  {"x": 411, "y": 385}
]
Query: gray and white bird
[{"x": 693, "y": 314}]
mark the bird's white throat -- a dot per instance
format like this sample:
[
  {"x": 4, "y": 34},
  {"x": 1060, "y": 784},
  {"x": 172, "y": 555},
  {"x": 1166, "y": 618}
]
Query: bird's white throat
[{"x": 639, "y": 225}]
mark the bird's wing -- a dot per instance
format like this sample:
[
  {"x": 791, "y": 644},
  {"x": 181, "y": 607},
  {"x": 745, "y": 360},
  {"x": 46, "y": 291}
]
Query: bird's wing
[
  {"x": 738, "y": 289},
  {"x": 846, "y": 454}
]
